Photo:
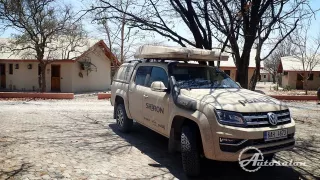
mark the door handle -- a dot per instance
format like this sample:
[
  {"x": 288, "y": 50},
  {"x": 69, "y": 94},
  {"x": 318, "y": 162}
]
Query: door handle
[{"x": 145, "y": 96}]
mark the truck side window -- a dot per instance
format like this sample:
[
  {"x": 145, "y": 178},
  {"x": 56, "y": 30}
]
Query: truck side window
[
  {"x": 158, "y": 74},
  {"x": 141, "y": 75}
]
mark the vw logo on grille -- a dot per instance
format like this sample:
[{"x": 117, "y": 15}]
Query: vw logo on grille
[{"x": 273, "y": 119}]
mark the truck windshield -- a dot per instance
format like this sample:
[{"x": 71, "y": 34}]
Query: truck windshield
[{"x": 200, "y": 77}]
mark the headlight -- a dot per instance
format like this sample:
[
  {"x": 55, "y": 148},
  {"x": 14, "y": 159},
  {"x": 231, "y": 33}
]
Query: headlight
[{"x": 230, "y": 118}]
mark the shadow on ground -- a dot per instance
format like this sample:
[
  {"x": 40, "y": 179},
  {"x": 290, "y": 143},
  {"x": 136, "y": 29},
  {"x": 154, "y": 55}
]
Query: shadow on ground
[
  {"x": 155, "y": 146},
  {"x": 12, "y": 172}
]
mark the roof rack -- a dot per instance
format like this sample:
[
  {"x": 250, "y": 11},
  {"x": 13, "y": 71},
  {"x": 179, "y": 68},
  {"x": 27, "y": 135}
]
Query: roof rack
[{"x": 136, "y": 60}]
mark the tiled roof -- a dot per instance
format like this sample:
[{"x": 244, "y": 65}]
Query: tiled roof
[
  {"x": 290, "y": 63},
  {"x": 230, "y": 62},
  {"x": 6, "y": 54}
]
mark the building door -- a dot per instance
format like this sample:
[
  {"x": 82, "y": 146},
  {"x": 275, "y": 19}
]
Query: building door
[
  {"x": 55, "y": 77},
  {"x": 2, "y": 75},
  {"x": 299, "y": 83}
]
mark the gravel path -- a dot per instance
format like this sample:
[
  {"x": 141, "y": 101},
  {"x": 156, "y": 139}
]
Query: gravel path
[{"x": 77, "y": 139}]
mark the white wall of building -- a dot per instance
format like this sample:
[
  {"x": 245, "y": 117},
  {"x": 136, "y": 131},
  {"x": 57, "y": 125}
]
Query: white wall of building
[
  {"x": 22, "y": 79},
  {"x": 99, "y": 80},
  {"x": 291, "y": 80},
  {"x": 265, "y": 77}
]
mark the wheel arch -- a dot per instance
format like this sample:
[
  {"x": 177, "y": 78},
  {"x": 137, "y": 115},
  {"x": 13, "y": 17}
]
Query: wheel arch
[
  {"x": 203, "y": 128},
  {"x": 120, "y": 99}
]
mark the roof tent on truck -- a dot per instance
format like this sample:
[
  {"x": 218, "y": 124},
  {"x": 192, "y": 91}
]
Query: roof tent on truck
[{"x": 179, "y": 53}]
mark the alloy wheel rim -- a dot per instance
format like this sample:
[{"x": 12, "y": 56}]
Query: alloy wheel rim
[{"x": 120, "y": 117}]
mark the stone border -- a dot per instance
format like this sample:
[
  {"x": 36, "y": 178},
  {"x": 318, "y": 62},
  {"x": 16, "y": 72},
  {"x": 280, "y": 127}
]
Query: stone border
[
  {"x": 104, "y": 95},
  {"x": 36, "y": 95},
  {"x": 295, "y": 98}
]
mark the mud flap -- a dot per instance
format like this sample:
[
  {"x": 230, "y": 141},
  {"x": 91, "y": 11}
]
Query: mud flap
[{"x": 174, "y": 143}]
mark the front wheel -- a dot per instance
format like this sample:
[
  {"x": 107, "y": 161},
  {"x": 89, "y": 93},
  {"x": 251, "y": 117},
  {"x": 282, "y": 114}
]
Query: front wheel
[
  {"x": 123, "y": 122},
  {"x": 190, "y": 151}
]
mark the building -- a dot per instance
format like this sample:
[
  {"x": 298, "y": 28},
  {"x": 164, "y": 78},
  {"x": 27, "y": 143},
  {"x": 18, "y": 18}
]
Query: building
[
  {"x": 88, "y": 68},
  {"x": 230, "y": 68},
  {"x": 265, "y": 76},
  {"x": 291, "y": 71}
]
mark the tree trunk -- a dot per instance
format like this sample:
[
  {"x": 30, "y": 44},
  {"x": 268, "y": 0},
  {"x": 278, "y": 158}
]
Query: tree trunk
[
  {"x": 305, "y": 85},
  {"x": 242, "y": 76},
  {"x": 273, "y": 78},
  {"x": 254, "y": 79},
  {"x": 122, "y": 38},
  {"x": 43, "y": 85},
  {"x": 242, "y": 69}
]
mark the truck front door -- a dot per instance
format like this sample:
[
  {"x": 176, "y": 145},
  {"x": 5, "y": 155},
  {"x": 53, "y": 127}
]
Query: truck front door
[
  {"x": 155, "y": 106},
  {"x": 136, "y": 92}
]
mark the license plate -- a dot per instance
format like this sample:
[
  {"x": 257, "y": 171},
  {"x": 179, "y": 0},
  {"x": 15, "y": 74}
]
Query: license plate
[{"x": 277, "y": 134}]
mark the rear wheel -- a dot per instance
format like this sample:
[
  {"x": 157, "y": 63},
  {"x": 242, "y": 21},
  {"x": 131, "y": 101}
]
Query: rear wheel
[
  {"x": 123, "y": 122},
  {"x": 190, "y": 151}
]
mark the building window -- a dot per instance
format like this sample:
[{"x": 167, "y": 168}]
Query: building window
[
  {"x": 264, "y": 76},
  {"x": 227, "y": 72},
  {"x": 10, "y": 68},
  {"x": 17, "y": 66},
  {"x": 310, "y": 77}
]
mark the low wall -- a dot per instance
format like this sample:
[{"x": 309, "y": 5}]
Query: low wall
[
  {"x": 297, "y": 98},
  {"x": 36, "y": 95},
  {"x": 104, "y": 95}
]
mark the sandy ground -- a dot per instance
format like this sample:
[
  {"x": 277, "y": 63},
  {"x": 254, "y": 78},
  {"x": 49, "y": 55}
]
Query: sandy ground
[
  {"x": 78, "y": 139},
  {"x": 267, "y": 88}
]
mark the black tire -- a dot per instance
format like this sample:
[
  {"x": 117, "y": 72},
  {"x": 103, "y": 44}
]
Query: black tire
[
  {"x": 190, "y": 151},
  {"x": 123, "y": 122},
  {"x": 269, "y": 157}
]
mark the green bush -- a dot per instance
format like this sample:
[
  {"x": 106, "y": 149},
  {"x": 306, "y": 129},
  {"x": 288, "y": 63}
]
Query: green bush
[
  {"x": 287, "y": 88},
  {"x": 275, "y": 88}
]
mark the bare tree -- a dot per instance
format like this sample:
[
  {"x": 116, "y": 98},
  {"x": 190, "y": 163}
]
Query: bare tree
[
  {"x": 307, "y": 52},
  {"x": 235, "y": 24},
  {"x": 119, "y": 36},
  {"x": 271, "y": 64},
  {"x": 46, "y": 30},
  {"x": 243, "y": 25}
]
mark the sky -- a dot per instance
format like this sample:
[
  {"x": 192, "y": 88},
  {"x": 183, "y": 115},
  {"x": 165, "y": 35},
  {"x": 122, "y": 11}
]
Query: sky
[{"x": 94, "y": 33}]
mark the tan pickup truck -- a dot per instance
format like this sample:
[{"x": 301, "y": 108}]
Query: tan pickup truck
[{"x": 202, "y": 111}]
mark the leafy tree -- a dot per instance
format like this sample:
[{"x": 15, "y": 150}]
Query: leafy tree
[{"x": 44, "y": 29}]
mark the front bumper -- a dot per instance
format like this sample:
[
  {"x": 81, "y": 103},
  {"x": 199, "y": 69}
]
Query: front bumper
[{"x": 249, "y": 137}]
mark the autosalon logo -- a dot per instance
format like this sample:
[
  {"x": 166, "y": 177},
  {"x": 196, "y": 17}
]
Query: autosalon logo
[
  {"x": 257, "y": 161},
  {"x": 273, "y": 119}
]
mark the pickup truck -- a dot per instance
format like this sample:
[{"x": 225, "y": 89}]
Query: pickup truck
[{"x": 199, "y": 108}]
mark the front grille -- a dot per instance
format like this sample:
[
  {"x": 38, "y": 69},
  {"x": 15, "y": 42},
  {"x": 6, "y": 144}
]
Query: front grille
[{"x": 260, "y": 119}]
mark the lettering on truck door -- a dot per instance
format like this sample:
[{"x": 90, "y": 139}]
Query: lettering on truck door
[{"x": 156, "y": 104}]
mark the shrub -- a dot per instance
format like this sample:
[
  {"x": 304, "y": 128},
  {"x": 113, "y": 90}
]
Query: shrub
[{"x": 287, "y": 88}]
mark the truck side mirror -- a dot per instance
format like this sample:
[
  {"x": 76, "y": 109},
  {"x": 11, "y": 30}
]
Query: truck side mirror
[{"x": 158, "y": 86}]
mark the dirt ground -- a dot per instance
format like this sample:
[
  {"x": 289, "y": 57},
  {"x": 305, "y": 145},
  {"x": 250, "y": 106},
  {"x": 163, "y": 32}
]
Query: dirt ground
[
  {"x": 78, "y": 139},
  {"x": 267, "y": 88}
]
